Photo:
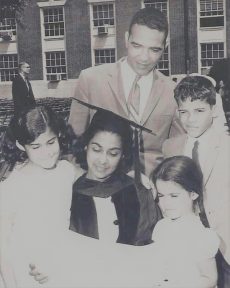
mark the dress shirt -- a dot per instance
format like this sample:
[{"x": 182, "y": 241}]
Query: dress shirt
[
  {"x": 204, "y": 147},
  {"x": 145, "y": 83}
]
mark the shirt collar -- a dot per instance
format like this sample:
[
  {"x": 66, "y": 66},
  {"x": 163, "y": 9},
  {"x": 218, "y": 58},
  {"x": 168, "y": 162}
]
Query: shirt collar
[{"x": 130, "y": 74}]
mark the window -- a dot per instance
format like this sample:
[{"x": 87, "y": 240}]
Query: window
[
  {"x": 104, "y": 56},
  {"x": 162, "y": 5},
  {"x": 54, "y": 21},
  {"x": 56, "y": 66},
  {"x": 8, "y": 25},
  {"x": 158, "y": 4},
  {"x": 8, "y": 67},
  {"x": 163, "y": 64},
  {"x": 211, "y": 13},
  {"x": 210, "y": 52},
  {"x": 103, "y": 14}
]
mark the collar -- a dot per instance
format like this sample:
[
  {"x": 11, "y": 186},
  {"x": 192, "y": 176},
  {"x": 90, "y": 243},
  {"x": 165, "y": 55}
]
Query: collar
[
  {"x": 130, "y": 74},
  {"x": 207, "y": 137},
  {"x": 94, "y": 188}
]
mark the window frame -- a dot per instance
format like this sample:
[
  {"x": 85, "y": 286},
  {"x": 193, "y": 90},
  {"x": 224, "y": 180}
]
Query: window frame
[
  {"x": 214, "y": 16},
  {"x": 55, "y": 75},
  {"x": 104, "y": 56},
  {"x": 13, "y": 69},
  {"x": 56, "y": 26},
  {"x": 210, "y": 52}
]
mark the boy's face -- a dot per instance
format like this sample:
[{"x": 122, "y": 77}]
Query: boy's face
[{"x": 196, "y": 116}]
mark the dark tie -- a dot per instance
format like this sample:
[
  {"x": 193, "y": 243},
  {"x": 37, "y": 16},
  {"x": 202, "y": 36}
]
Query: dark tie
[
  {"x": 134, "y": 98},
  {"x": 195, "y": 153}
]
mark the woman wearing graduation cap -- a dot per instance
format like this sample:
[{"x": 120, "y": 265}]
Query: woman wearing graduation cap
[{"x": 107, "y": 204}]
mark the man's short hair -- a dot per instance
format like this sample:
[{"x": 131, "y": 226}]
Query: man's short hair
[
  {"x": 152, "y": 18},
  {"x": 21, "y": 64},
  {"x": 195, "y": 88}
]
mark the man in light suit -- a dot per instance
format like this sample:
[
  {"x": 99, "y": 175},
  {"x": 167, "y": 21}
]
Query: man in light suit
[
  {"x": 109, "y": 86},
  {"x": 22, "y": 92},
  {"x": 196, "y": 98}
]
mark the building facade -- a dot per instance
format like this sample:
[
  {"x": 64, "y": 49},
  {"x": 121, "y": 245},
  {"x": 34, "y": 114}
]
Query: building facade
[{"x": 59, "y": 38}]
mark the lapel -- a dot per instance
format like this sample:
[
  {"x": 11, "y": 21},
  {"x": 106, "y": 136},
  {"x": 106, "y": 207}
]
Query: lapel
[
  {"x": 116, "y": 84},
  {"x": 153, "y": 98},
  {"x": 211, "y": 159},
  {"x": 24, "y": 82}
]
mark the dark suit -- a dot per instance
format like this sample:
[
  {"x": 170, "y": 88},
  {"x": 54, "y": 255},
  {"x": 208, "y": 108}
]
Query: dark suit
[{"x": 23, "y": 96}]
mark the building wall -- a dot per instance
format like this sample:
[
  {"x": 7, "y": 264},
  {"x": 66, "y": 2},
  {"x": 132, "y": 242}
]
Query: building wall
[
  {"x": 78, "y": 43},
  {"x": 228, "y": 27},
  {"x": 176, "y": 22},
  {"x": 78, "y": 46},
  {"x": 192, "y": 36},
  {"x": 29, "y": 40},
  {"x": 124, "y": 11}
]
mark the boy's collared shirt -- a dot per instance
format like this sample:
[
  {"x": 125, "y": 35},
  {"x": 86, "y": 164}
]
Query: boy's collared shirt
[{"x": 204, "y": 147}]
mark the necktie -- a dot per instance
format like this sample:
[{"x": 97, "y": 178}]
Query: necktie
[
  {"x": 195, "y": 154},
  {"x": 134, "y": 98}
]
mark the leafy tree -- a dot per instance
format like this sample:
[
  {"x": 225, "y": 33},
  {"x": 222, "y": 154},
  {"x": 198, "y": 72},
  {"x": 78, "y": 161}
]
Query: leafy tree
[{"x": 12, "y": 7}]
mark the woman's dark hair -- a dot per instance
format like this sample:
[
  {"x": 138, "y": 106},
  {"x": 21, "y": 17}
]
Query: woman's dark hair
[
  {"x": 109, "y": 122},
  {"x": 183, "y": 171},
  {"x": 29, "y": 125}
]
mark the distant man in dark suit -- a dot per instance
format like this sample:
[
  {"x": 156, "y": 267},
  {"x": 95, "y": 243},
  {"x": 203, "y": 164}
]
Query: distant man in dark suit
[{"x": 22, "y": 92}]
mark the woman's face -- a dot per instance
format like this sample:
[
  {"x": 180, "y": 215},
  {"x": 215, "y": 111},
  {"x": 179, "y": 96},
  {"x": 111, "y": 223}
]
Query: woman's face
[
  {"x": 103, "y": 155},
  {"x": 174, "y": 200},
  {"x": 44, "y": 150}
]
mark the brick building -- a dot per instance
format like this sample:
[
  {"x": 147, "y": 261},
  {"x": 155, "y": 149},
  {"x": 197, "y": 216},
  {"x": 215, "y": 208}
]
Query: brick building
[{"x": 59, "y": 38}]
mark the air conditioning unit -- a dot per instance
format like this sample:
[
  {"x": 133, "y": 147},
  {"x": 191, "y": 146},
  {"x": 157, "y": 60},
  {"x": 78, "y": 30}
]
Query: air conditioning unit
[
  {"x": 55, "y": 77},
  {"x": 102, "y": 30},
  {"x": 6, "y": 35}
]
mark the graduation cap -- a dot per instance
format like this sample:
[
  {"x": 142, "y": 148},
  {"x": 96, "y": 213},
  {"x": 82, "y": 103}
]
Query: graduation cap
[{"x": 137, "y": 135}]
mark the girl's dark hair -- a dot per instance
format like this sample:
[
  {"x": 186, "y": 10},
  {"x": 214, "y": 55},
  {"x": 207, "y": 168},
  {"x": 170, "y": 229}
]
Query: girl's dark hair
[
  {"x": 109, "y": 122},
  {"x": 29, "y": 125},
  {"x": 183, "y": 171}
]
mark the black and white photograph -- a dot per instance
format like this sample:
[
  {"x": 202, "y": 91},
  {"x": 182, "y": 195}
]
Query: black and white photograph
[{"x": 114, "y": 143}]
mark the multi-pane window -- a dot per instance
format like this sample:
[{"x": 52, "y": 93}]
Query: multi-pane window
[
  {"x": 210, "y": 52},
  {"x": 54, "y": 21},
  {"x": 103, "y": 14},
  {"x": 8, "y": 66},
  {"x": 104, "y": 56},
  {"x": 161, "y": 5},
  {"x": 56, "y": 66},
  {"x": 163, "y": 64},
  {"x": 8, "y": 25},
  {"x": 211, "y": 13}
]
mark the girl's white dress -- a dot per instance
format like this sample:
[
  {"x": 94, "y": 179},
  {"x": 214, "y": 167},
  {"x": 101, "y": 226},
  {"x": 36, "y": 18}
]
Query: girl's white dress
[{"x": 180, "y": 245}]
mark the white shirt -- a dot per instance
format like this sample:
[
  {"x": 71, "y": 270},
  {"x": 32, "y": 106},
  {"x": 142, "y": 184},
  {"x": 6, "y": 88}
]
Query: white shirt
[
  {"x": 145, "y": 83},
  {"x": 106, "y": 215},
  {"x": 204, "y": 149}
]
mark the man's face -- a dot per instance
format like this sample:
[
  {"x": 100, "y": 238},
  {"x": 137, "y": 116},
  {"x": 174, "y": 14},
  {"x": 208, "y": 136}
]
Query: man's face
[
  {"x": 145, "y": 47},
  {"x": 196, "y": 116},
  {"x": 25, "y": 68}
]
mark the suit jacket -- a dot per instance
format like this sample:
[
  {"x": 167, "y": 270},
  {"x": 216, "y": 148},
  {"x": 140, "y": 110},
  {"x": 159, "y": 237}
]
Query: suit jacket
[
  {"x": 102, "y": 86},
  {"x": 216, "y": 175},
  {"x": 23, "y": 96},
  {"x": 137, "y": 213}
]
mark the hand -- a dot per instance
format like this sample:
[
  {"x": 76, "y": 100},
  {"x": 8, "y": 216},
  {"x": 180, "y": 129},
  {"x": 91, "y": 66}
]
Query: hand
[{"x": 38, "y": 276}]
